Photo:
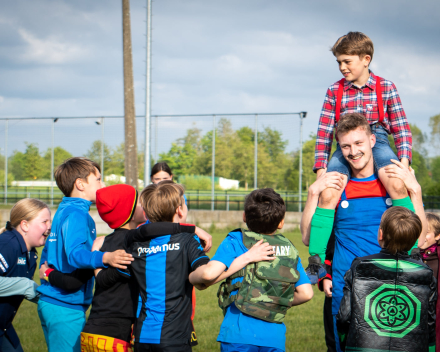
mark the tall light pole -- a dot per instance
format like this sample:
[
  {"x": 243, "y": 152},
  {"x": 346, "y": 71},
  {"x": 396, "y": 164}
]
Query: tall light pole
[
  {"x": 6, "y": 161},
  {"x": 52, "y": 157},
  {"x": 213, "y": 164},
  {"x": 302, "y": 115},
  {"x": 147, "y": 156},
  {"x": 101, "y": 122},
  {"x": 256, "y": 153}
]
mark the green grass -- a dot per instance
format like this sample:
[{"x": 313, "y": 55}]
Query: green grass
[{"x": 305, "y": 331}]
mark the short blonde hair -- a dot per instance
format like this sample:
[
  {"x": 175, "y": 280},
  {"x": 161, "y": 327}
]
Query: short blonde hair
[
  {"x": 433, "y": 223},
  {"x": 160, "y": 201},
  {"x": 353, "y": 43},
  {"x": 25, "y": 209},
  {"x": 400, "y": 229}
]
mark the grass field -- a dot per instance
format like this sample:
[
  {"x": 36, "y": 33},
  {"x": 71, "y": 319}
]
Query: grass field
[{"x": 305, "y": 331}]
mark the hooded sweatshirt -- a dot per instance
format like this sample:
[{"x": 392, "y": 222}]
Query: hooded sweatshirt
[{"x": 69, "y": 248}]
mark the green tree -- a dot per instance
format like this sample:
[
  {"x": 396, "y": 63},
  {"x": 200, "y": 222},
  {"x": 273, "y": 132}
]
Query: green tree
[
  {"x": 243, "y": 161},
  {"x": 28, "y": 165},
  {"x": 59, "y": 156},
  {"x": 183, "y": 153},
  {"x": 94, "y": 153},
  {"x": 274, "y": 144},
  {"x": 116, "y": 163},
  {"x": 434, "y": 125},
  {"x": 418, "y": 140},
  {"x": 2, "y": 177}
]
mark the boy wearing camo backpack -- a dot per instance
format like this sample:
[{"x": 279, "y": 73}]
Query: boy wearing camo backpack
[{"x": 256, "y": 296}]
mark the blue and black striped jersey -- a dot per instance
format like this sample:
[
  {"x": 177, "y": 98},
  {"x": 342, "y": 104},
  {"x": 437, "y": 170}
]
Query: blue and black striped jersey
[{"x": 161, "y": 267}]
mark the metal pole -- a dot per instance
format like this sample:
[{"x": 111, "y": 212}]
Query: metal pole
[
  {"x": 147, "y": 155},
  {"x": 155, "y": 141},
  {"x": 302, "y": 116},
  {"x": 256, "y": 153},
  {"x": 102, "y": 149},
  {"x": 6, "y": 161},
  {"x": 52, "y": 163},
  {"x": 300, "y": 161},
  {"x": 213, "y": 164}
]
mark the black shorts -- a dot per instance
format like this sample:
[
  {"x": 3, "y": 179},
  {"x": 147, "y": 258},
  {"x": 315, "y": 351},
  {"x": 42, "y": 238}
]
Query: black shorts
[{"x": 163, "y": 347}]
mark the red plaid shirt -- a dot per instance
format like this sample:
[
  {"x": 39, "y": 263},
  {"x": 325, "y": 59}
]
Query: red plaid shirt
[{"x": 363, "y": 100}]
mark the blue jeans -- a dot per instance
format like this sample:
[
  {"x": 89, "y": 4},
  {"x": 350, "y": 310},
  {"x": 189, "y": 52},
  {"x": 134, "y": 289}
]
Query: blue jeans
[
  {"x": 382, "y": 153},
  {"x": 240, "y": 347},
  {"x": 62, "y": 327}
]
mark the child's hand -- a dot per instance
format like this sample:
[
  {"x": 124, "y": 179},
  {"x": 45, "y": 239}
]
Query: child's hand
[
  {"x": 97, "y": 243},
  {"x": 327, "y": 180},
  {"x": 43, "y": 269},
  {"x": 117, "y": 259},
  {"x": 260, "y": 251},
  {"x": 327, "y": 285},
  {"x": 400, "y": 171},
  {"x": 205, "y": 238}
]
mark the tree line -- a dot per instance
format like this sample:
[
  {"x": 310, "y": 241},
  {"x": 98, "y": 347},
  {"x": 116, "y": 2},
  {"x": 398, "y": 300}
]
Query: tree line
[{"x": 234, "y": 157}]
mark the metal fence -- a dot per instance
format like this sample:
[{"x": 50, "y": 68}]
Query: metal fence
[
  {"x": 78, "y": 136},
  {"x": 196, "y": 199}
]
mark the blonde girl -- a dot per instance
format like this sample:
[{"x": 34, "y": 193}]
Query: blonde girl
[{"x": 27, "y": 228}]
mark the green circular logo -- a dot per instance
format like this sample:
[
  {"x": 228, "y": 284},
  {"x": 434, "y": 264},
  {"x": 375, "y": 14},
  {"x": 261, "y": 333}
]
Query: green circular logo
[{"x": 392, "y": 310}]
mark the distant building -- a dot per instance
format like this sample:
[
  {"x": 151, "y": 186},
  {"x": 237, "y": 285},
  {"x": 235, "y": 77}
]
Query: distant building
[{"x": 225, "y": 183}]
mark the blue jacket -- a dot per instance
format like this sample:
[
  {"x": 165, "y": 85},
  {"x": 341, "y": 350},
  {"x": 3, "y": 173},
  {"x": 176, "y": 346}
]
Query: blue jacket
[
  {"x": 69, "y": 248},
  {"x": 15, "y": 261}
]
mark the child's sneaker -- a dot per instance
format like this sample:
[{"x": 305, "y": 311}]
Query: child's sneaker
[{"x": 316, "y": 270}]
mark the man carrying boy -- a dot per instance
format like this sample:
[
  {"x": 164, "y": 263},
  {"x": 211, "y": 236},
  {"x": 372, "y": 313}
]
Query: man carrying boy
[
  {"x": 389, "y": 299},
  {"x": 62, "y": 314},
  {"x": 256, "y": 324},
  {"x": 361, "y": 205},
  {"x": 360, "y": 91}
]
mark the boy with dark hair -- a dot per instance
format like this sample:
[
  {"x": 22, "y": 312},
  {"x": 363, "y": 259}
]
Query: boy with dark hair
[
  {"x": 360, "y": 91},
  {"x": 274, "y": 285},
  {"x": 389, "y": 298},
  {"x": 62, "y": 313}
]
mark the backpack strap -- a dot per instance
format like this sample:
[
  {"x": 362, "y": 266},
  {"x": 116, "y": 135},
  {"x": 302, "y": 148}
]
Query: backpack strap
[
  {"x": 379, "y": 99},
  {"x": 339, "y": 100}
]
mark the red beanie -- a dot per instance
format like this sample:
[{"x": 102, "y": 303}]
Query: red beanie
[{"x": 116, "y": 204}]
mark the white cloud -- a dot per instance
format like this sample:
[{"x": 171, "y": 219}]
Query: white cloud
[{"x": 51, "y": 50}]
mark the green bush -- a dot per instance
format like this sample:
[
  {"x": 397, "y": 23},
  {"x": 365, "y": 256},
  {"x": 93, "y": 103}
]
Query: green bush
[
  {"x": 194, "y": 182},
  {"x": 2, "y": 178}
]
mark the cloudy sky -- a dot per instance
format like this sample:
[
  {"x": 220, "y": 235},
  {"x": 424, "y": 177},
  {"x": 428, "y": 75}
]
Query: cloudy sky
[{"x": 64, "y": 58}]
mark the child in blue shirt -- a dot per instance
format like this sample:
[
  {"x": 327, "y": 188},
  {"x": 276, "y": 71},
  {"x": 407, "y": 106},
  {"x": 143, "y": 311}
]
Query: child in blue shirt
[
  {"x": 264, "y": 214},
  {"x": 68, "y": 248}
]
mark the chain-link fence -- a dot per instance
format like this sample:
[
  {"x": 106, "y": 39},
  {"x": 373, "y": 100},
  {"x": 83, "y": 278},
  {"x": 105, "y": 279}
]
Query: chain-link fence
[{"x": 218, "y": 157}]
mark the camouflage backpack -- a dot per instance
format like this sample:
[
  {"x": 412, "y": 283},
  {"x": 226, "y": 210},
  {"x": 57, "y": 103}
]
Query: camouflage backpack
[{"x": 267, "y": 289}]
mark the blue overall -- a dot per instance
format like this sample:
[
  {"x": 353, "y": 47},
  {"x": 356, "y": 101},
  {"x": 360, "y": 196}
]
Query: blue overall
[{"x": 356, "y": 227}]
